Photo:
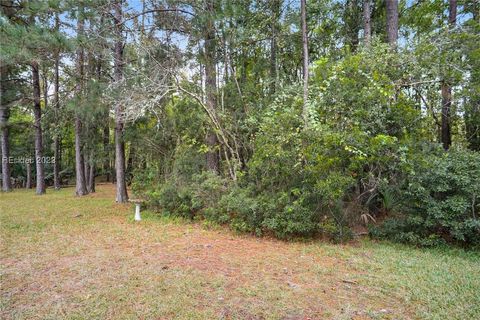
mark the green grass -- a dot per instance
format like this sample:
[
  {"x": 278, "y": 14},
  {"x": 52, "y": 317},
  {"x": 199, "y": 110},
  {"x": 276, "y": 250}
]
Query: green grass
[{"x": 64, "y": 257}]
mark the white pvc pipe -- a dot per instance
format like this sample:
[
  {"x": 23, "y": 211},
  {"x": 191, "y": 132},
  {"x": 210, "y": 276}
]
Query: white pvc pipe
[{"x": 137, "y": 212}]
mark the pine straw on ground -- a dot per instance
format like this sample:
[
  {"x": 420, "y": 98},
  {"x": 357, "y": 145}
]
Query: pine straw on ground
[{"x": 64, "y": 257}]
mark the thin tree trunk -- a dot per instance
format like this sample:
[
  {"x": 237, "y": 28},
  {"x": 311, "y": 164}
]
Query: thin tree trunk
[
  {"x": 45, "y": 90},
  {"x": 446, "y": 132},
  {"x": 352, "y": 23},
  {"x": 472, "y": 109},
  {"x": 9, "y": 12},
  {"x": 5, "y": 148},
  {"x": 28, "y": 183},
  {"x": 122, "y": 195},
  {"x": 275, "y": 4},
  {"x": 56, "y": 101},
  {"x": 56, "y": 164},
  {"x": 225, "y": 54},
  {"x": 367, "y": 21},
  {"x": 392, "y": 22},
  {"x": 91, "y": 175},
  {"x": 305, "y": 60},
  {"x": 81, "y": 188},
  {"x": 446, "y": 135},
  {"x": 106, "y": 151},
  {"x": 4, "y": 141},
  {"x": 91, "y": 182},
  {"x": 106, "y": 128},
  {"x": 131, "y": 154},
  {"x": 211, "y": 86},
  {"x": 37, "y": 111},
  {"x": 452, "y": 13},
  {"x": 86, "y": 169}
]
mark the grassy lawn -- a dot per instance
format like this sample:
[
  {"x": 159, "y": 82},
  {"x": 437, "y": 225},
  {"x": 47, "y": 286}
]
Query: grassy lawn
[{"x": 85, "y": 258}]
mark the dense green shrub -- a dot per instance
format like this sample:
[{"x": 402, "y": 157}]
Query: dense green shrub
[
  {"x": 241, "y": 210},
  {"x": 441, "y": 202}
]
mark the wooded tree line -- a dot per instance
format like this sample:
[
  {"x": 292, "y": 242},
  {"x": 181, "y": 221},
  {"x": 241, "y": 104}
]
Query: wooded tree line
[{"x": 292, "y": 118}]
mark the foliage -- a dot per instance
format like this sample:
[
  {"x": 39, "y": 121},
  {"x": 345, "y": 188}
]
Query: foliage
[
  {"x": 356, "y": 162},
  {"x": 441, "y": 202}
]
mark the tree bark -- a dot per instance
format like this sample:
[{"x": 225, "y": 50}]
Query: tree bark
[
  {"x": 91, "y": 181},
  {"x": 86, "y": 169},
  {"x": 452, "y": 13},
  {"x": 392, "y": 22},
  {"x": 28, "y": 183},
  {"x": 131, "y": 154},
  {"x": 446, "y": 133},
  {"x": 106, "y": 151},
  {"x": 37, "y": 111},
  {"x": 211, "y": 139},
  {"x": 5, "y": 148},
  {"x": 275, "y": 5},
  {"x": 4, "y": 141},
  {"x": 367, "y": 21},
  {"x": 121, "y": 195},
  {"x": 303, "y": 9},
  {"x": 352, "y": 23},
  {"x": 91, "y": 174},
  {"x": 8, "y": 11},
  {"x": 56, "y": 102},
  {"x": 81, "y": 188},
  {"x": 106, "y": 128}
]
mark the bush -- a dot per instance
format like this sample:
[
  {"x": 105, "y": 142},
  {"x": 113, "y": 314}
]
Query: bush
[
  {"x": 441, "y": 202},
  {"x": 172, "y": 199},
  {"x": 242, "y": 211}
]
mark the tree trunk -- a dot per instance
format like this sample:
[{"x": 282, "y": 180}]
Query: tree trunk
[
  {"x": 275, "y": 5},
  {"x": 211, "y": 139},
  {"x": 352, "y": 23},
  {"x": 446, "y": 133},
  {"x": 28, "y": 183},
  {"x": 106, "y": 128},
  {"x": 305, "y": 60},
  {"x": 5, "y": 148},
  {"x": 56, "y": 102},
  {"x": 86, "y": 169},
  {"x": 452, "y": 13},
  {"x": 367, "y": 21},
  {"x": 81, "y": 188},
  {"x": 106, "y": 150},
  {"x": 37, "y": 111},
  {"x": 131, "y": 154},
  {"x": 91, "y": 174},
  {"x": 4, "y": 142},
  {"x": 56, "y": 165},
  {"x": 472, "y": 109},
  {"x": 122, "y": 195},
  {"x": 45, "y": 90},
  {"x": 392, "y": 22},
  {"x": 91, "y": 182},
  {"x": 7, "y": 9}
]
